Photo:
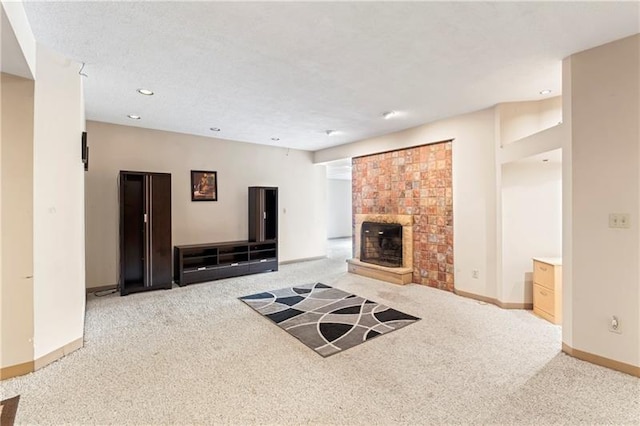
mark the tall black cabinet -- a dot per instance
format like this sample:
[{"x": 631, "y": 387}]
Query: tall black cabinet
[
  {"x": 145, "y": 231},
  {"x": 263, "y": 213}
]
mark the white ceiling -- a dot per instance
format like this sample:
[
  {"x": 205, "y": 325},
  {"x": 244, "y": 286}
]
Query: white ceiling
[{"x": 292, "y": 70}]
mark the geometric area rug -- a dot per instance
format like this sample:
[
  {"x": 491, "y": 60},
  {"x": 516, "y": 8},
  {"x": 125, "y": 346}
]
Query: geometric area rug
[
  {"x": 327, "y": 319},
  {"x": 8, "y": 408}
]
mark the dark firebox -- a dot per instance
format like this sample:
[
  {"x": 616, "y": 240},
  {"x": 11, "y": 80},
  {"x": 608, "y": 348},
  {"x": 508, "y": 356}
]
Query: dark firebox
[{"x": 381, "y": 244}]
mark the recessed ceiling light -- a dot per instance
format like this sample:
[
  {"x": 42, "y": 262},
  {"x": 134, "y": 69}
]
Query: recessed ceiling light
[
  {"x": 545, "y": 91},
  {"x": 275, "y": 139},
  {"x": 134, "y": 117},
  {"x": 214, "y": 129},
  {"x": 145, "y": 92},
  {"x": 330, "y": 132},
  {"x": 387, "y": 115}
]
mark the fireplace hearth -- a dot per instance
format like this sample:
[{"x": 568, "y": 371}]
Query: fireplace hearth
[{"x": 381, "y": 244}]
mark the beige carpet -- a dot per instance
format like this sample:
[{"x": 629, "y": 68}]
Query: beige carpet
[{"x": 197, "y": 355}]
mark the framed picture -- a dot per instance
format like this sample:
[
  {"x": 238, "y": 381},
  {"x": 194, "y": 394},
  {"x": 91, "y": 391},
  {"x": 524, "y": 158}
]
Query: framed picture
[{"x": 204, "y": 185}]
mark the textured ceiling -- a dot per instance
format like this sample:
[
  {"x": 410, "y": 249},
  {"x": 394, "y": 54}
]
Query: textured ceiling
[{"x": 292, "y": 70}]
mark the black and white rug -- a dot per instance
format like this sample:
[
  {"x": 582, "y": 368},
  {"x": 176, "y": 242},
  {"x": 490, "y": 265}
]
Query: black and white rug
[{"x": 326, "y": 319}]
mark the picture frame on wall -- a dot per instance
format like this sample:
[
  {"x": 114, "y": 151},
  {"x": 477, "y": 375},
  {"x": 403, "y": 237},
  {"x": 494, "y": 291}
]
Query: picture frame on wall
[{"x": 204, "y": 185}]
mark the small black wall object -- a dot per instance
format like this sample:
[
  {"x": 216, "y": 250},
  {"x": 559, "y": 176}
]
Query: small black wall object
[{"x": 85, "y": 151}]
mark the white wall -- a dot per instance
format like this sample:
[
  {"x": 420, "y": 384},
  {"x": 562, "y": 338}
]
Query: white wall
[
  {"x": 16, "y": 220},
  {"x": 17, "y": 43},
  {"x": 521, "y": 119},
  {"x": 338, "y": 208},
  {"x": 543, "y": 141},
  {"x": 567, "y": 207},
  {"x": 58, "y": 226},
  {"x": 302, "y": 191},
  {"x": 531, "y": 223},
  {"x": 475, "y": 188},
  {"x": 17, "y": 57},
  {"x": 604, "y": 96}
]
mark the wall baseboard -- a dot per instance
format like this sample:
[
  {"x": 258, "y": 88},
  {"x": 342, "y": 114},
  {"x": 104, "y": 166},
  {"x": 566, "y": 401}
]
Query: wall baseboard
[
  {"x": 31, "y": 366},
  {"x": 306, "y": 259},
  {"x": 493, "y": 301},
  {"x": 55, "y": 355},
  {"x": 515, "y": 305},
  {"x": 601, "y": 361},
  {"x": 16, "y": 370},
  {"x": 101, "y": 288}
]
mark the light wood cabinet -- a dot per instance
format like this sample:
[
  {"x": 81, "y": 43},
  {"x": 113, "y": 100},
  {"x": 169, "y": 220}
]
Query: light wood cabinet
[{"x": 547, "y": 288}]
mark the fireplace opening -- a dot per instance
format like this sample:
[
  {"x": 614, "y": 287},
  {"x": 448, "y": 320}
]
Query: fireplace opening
[{"x": 381, "y": 244}]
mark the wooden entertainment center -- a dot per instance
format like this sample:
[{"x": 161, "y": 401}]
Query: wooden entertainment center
[
  {"x": 207, "y": 262},
  {"x": 197, "y": 263}
]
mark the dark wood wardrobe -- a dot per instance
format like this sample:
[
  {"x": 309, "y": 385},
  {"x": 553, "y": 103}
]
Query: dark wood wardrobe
[
  {"x": 145, "y": 231},
  {"x": 263, "y": 213}
]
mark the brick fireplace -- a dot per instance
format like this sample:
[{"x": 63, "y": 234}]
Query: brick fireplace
[{"x": 416, "y": 184}]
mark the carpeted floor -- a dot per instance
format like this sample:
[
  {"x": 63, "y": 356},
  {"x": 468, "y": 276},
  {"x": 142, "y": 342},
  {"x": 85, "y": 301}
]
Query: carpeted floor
[
  {"x": 197, "y": 355},
  {"x": 327, "y": 319}
]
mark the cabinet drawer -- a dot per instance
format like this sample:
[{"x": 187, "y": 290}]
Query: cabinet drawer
[
  {"x": 543, "y": 274},
  {"x": 544, "y": 299},
  {"x": 263, "y": 265},
  {"x": 199, "y": 276},
  {"x": 233, "y": 270}
]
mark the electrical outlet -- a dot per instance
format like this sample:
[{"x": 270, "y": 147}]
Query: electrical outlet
[
  {"x": 475, "y": 274},
  {"x": 614, "y": 325},
  {"x": 619, "y": 220},
  {"x": 624, "y": 220}
]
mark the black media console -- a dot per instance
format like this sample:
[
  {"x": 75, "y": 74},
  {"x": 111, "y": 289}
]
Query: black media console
[{"x": 207, "y": 262}]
